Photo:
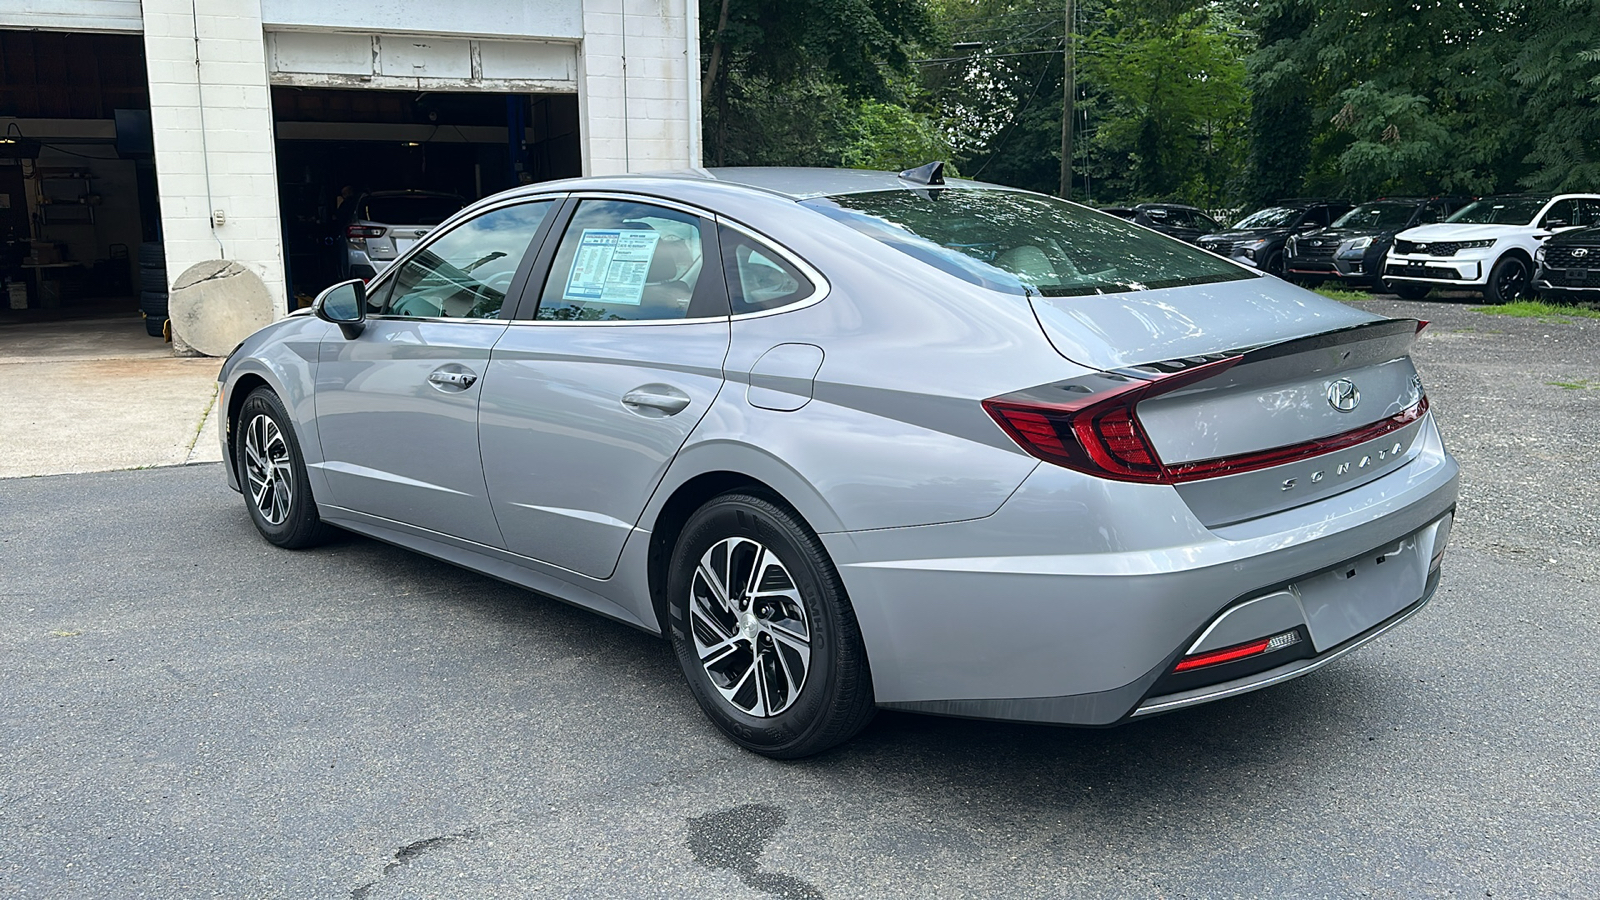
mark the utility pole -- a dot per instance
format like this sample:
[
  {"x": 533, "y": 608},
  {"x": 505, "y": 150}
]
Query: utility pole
[{"x": 1068, "y": 89}]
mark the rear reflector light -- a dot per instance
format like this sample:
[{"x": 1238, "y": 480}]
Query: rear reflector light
[
  {"x": 362, "y": 232},
  {"x": 1241, "y": 651},
  {"x": 1091, "y": 425}
]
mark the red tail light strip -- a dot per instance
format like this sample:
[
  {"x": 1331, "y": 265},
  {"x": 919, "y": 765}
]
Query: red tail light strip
[
  {"x": 1254, "y": 648},
  {"x": 1100, "y": 433}
]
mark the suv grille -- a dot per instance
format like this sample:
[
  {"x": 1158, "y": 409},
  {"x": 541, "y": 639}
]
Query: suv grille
[
  {"x": 1308, "y": 251},
  {"x": 1424, "y": 272},
  {"x": 1578, "y": 278},
  {"x": 1562, "y": 257},
  {"x": 1223, "y": 248},
  {"x": 1431, "y": 248}
]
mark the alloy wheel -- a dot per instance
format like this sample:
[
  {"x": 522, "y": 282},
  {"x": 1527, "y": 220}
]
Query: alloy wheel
[
  {"x": 751, "y": 633},
  {"x": 1513, "y": 280},
  {"x": 268, "y": 469}
]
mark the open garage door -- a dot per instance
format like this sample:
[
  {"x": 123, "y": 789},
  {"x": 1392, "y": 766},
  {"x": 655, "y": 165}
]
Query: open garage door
[
  {"x": 77, "y": 178},
  {"x": 373, "y": 130}
]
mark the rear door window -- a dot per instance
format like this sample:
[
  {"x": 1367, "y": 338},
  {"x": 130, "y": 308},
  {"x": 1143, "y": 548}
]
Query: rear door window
[
  {"x": 759, "y": 278},
  {"x": 627, "y": 261}
]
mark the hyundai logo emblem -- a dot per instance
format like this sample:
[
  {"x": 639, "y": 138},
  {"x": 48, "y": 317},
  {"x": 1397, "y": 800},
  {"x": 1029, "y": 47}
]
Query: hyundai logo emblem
[
  {"x": 1580, "y": 252},
  {"x": 1343, "y": 395}
]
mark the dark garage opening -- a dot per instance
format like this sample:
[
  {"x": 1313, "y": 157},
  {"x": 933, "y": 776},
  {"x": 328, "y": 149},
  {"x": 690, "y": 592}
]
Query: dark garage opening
[
  {"x": 337, "y": 147},
  {"x": 77, "y": 177}
]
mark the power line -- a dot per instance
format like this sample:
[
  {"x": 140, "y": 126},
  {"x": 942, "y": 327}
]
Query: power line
[{"x": 1001, "y": 144}]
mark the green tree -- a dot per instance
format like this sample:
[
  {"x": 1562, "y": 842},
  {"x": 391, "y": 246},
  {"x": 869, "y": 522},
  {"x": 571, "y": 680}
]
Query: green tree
[
  {"x": 1174, "y": 109},
  {"x": 783, "y": 78}
]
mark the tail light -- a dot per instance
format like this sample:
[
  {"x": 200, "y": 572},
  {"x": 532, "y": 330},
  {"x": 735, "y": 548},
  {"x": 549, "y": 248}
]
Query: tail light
[
  {"x": 1241, "y": 651},
  {"x": 362, "y": 232},
  {"x": 1090, "y": 425}
]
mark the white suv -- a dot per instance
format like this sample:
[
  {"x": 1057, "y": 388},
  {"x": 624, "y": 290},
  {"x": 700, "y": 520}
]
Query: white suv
[{"x": 1486, "y": 246}]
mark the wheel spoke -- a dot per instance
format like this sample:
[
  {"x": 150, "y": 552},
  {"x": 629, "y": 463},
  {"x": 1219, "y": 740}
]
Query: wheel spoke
[
  {"x": 763, "y": 691},
  {"x": 715, "y": 584}
]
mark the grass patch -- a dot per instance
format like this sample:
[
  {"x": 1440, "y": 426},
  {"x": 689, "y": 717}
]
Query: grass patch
[
  {"x": 1343, "y": 296},
  {"x": 1538, "y": 309},
  {"x": 1581, "y": 384}
]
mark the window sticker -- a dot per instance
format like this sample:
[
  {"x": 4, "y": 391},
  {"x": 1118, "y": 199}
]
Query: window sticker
[{"x": 611, "y": 265}]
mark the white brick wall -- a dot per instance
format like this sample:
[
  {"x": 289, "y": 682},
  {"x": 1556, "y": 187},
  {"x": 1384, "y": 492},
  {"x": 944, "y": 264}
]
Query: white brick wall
[
  {"x": 230, "y": 165},
  {"x": 639, "y": 85}
]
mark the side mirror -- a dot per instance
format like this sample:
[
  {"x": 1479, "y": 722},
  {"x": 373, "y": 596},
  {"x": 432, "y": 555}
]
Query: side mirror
[{"x": 345, "y": 305}]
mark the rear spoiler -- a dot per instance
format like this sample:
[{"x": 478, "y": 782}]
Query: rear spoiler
[{"x": 1353, "y": 345}]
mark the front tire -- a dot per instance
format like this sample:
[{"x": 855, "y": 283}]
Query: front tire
[
  {"x": 763, "y": 630},
  {"x": 272, "y": 474},
  {"x": 1508, "y": 280}
]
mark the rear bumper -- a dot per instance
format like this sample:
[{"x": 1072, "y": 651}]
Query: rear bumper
[{"x": 1071, "y": 602}]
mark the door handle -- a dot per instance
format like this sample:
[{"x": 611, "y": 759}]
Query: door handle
[
  {"x": 453, "y": 379},
  {"x": 655, "y": 400}
]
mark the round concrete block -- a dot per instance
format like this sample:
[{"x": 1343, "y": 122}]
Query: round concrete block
[{"x": 216, "y": 304}]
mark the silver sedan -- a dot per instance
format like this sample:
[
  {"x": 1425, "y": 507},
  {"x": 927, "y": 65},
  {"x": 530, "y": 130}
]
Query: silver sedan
[{"x": 854, "y": 440}]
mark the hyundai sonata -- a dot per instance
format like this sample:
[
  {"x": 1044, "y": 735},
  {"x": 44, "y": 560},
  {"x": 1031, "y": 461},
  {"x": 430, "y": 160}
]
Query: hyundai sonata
[{"x": 853, "y": 440}]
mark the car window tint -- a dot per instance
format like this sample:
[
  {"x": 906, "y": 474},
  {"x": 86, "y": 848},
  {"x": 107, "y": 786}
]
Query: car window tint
[
  {"x": 1588, "y": 212},
  {"x": 759, "y": 278},
  {"x": 466, "y": 272},
  {"x": 1430, "y": 214},
  {"x": 1562, "y": 214},
  {"x": 1023, "y": 243},
  {"x": 622, "y": 261}
]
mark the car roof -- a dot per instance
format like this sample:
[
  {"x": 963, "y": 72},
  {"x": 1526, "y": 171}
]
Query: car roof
[
  {"x": 440, "y": 194},
  {"x": 801, "y": 183}
]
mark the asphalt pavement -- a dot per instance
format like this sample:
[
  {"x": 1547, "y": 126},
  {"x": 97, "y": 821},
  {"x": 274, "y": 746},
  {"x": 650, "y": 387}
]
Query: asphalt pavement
[{"x": 189, "y": 712}]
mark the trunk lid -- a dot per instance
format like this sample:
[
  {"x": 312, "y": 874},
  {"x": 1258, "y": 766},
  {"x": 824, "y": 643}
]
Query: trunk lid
[
  {"x": 1114, "y": 331},
  {"x": 1319, "y": 397}
]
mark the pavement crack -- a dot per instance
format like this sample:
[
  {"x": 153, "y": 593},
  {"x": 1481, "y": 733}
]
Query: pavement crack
[
  {"x": 407, "y": 853},
  {"x": 735, "y": 839}
]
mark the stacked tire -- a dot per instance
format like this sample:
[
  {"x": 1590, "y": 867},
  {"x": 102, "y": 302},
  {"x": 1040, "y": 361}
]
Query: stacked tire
[{"x": 153, "y": 287}]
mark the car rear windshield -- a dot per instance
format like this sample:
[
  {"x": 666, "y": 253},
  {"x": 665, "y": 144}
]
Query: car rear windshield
[
  {"x": 1500, "y": 211},
  {"x": 1377, "y": 216},
  {"x": 410, "y": 210},
  {"x": 1025, "y": 243}
]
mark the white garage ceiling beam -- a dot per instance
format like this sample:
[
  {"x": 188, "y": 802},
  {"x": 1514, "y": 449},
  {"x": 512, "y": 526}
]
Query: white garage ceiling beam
[{"x": 411, "y": 62}]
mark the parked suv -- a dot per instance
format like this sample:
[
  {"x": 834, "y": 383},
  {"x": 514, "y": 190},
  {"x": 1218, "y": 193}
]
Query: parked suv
[
  {"x": 1185, "y": 223},
  {"x": 1486, "y": 246},
  {"x": 1258, "y": 239},
  {"x": 1569, "y": 265},
  {"x": 384, "y": 224},
  {"x": 1352, "y": 249}
]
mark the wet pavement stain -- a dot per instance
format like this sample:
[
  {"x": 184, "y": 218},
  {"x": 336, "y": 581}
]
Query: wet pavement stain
[
  {"x": 406, "y": 854},
  {"x": 735, "y": 839}
]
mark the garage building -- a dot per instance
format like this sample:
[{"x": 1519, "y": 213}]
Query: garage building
[{"x": 248, "y": 130}]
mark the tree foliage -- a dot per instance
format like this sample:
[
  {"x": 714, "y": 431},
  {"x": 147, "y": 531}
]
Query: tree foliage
[{"x": 1217, "y": 102}]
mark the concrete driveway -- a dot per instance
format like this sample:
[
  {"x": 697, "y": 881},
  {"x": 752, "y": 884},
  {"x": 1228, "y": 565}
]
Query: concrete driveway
[{"x": 89, "y": 395}]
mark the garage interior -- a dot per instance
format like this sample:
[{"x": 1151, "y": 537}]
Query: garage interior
[
  {"x": 77, "y": 177},
  {"x": 334, "y": 145}
]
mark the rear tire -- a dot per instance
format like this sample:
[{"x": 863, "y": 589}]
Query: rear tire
[
  {"x": 763, "y": 630},
  {"x": 272, "y": 474},
  {"x": 1508, "y": 280}
]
